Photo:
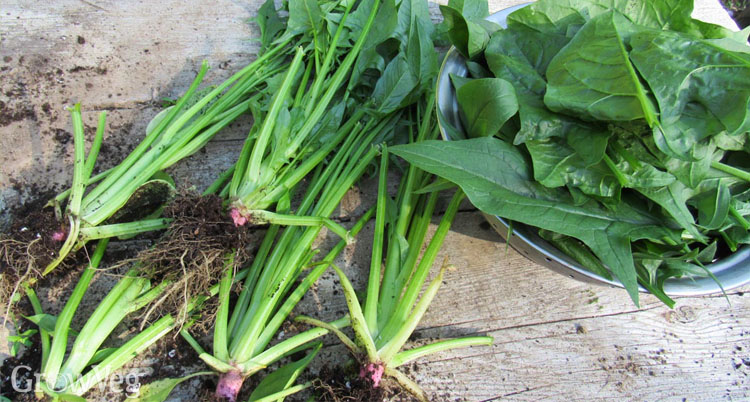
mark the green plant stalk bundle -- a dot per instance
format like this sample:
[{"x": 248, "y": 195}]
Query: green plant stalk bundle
[
  {"x": 620, "y": 130},
  {"x": 174, "y": 134},
  {"x": 71, "y": 375},
  {"x": 241, "y": 339},
  {"x": 391, "y": 312},
  {"x": 288, "y": 141}
]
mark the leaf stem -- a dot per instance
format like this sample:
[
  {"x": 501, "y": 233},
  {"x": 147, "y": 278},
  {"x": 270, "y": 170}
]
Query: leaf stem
[
  {"x": 62, "y": 325},
  {"x": 376, "y": 260},
  {"x": 738, "y": 173}
]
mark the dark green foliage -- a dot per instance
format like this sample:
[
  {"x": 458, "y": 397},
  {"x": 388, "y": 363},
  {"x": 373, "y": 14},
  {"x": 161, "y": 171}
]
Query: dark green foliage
[{"x": 629, "y": 148}]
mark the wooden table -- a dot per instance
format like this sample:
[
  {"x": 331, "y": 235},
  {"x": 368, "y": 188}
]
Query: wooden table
[{"x": 555, "y": 338}]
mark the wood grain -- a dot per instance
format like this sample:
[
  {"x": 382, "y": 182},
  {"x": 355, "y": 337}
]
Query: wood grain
[{"x": 555, "y": 338}]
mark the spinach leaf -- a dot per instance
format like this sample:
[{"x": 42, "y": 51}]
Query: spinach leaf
[
  {"x": 508, "y": 61},
  {"x": 556, "y": 165},
  {"x": 497, "y": 179},
  {"x": 269, "y": 22},
  {"x": 395, "y": 85},
  {"x": 592, "y": 76},
  {"x": 682, "y": 71},
  {"x": 486, "y": 103},
  {"x": 466, "y": 26},
  {"x": 577, "y": 251}
]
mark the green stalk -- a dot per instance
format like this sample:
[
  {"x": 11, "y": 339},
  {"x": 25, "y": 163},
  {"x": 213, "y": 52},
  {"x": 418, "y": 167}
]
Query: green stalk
[
  {"x": 283, "y": 348},
  {"x": 409, "y": 355},
  {"x": 279, "y": 396},
  {"x": 65, "y": 194},
  {"x": 78, "y": 187},
  {"x": 101, "y": 205},
  {"x": 260, "y": 217},
  {"x": 220, "y": 327},
  {"x": 339, "y": 334},
  {"x": 291, "y": 301},
  {"x": 122, "y": 229},
  {"x": 415, "y": 285},
  {"x": 618, "y": 174},
  {"x": 220, "y": 181},
  {"x": 419, "y": 228},
  {"x": 322, "y": 73},
  {"x": 123, "y": 354},
  {"x": 279, "y": 99},
  {"x": 95, "y": 146},
  {"x": 392, "y": 285},
  {"x": 62, "y": 325},
  {"x": 395, "y": 344},
  {"x": 260, "y": 258},
  {"x": 738, "y": 173},
  {"x": 99, "y": 326},
  {"x": 192, "y": 342},
  {"x": 741, "y": 219},
  {"x": 243, "y": 346},
  {"x": 302, "y": 170},
  {"x": 359, "y": 325},
  {"x": 373, "y": 282},
  {"x": 144, "y": 145},
  {"x": 338, "y": 77},
  {"x": 43, "y": 334}
]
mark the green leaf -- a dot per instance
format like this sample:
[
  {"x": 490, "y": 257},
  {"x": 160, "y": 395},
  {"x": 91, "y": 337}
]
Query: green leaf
[
  {"x": 507, "y": 60},
  {"x": 592, "y": 76},
  {"x": 269, "y": 22},
  {"x": 100, "y": 355},
  {"x": 563, "y": 16},
  {"x": 305, "y": 16},
  {"x": 673, "y": 198},
  {"x": 497, "y": 179},
  {"x": 471, "y": 9},
  {"x": 556, "y": 165},
  {"x": 395, "y": 85},
  {"x": 420, "y": 51},
  {"x": 577, "y": 251},
  {"x": 713, "y": 208},
  {"x": 157, "y": 119},
  {"x": 486, "y": 103},
  {"x": 159, "y": 390},
  {"x": 382, "y": 29},
  {"x": 284, "y": 377},
  {"x": 47, "y": 323},
  {"x": 696, "y": 80},
  {"x": 467, "y": 29}
]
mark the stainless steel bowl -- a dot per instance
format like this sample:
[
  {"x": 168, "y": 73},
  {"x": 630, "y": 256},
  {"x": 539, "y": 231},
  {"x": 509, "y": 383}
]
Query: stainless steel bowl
[{"x": 732, "y": 272}]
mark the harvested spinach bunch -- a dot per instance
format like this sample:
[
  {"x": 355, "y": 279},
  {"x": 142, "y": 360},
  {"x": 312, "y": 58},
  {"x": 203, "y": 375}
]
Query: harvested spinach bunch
[{"x": 619, "y": 128}]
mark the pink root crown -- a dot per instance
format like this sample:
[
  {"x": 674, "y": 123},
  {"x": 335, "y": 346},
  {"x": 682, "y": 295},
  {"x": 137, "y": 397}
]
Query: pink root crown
[
  {"x": 373, "y": 372},
  {"x": 229, "y": 386},
  {"x": 237, "y": 217},
  {"x": 58, "y": 235}
]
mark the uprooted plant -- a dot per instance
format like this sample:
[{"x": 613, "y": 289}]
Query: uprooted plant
[
  {"x": 97, "y": 206},
  {"x": 391, "y": 313}
]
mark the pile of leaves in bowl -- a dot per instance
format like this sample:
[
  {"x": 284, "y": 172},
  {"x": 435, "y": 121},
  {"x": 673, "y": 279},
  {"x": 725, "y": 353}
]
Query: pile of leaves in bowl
[{"x": 619, "y": 129}]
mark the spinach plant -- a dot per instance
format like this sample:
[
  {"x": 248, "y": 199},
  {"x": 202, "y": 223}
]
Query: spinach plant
[{"x": 390, "y": 313}]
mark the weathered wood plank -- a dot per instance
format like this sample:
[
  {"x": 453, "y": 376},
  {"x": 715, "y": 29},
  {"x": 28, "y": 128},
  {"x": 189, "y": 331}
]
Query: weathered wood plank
[{"x": 555, "y": 338}]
